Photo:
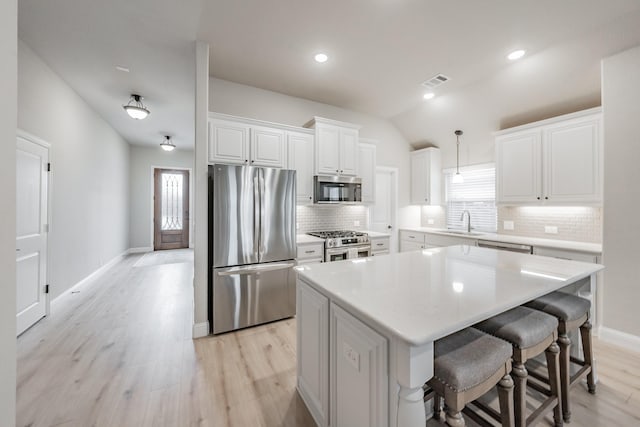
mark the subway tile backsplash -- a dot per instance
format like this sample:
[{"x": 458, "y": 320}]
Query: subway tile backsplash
[
  {"x": 581, "y": 224},
  {"x": 328, "y": 218}
]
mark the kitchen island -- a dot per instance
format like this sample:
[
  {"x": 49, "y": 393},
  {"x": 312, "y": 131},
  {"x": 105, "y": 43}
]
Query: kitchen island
[{"x": 366, "y": 327}]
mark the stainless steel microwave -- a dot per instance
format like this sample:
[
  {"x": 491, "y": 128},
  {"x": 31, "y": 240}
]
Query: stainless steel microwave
[{"x": 337, "y": 189}]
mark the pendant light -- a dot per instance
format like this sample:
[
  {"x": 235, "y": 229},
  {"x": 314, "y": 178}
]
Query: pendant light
[
  {"x": 457, "y": 178},
  {"x": 135, "y": 108},
  {"x": 167, "y": 145}
]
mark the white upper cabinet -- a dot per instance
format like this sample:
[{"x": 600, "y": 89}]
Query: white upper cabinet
[
  {"x": 348, "y": 152},
  {"x": 239, "y": 142},
  {"x": 267, "y": 147},
  {"x": 328, "y": 150},
  {"x": 518, "y": 175},
  {"x": 336, "y": 147},
  {"x": 301, "y": 160},
  {"x": 426, "y": 170},
  {"x": 367, "y": 171},
  {"x": 572, "y": 162},
  {"x": 228, "y": 142},
  {"x": 556, "y": 161}
]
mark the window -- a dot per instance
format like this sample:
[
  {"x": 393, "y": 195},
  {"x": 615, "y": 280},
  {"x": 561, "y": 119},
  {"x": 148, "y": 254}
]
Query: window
[{"x": 477, "y": 194}]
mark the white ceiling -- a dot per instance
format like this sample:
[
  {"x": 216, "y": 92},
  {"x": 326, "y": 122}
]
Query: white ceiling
[{"x": 380, "y": 51}]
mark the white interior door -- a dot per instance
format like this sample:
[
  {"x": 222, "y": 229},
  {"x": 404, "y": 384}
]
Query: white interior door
[
  {"x": 31, "y": 232},
  {"x": 383, "y": 211}
]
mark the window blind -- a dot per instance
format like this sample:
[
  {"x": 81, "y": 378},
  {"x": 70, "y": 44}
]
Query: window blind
[{"x": 477, "y": 194}]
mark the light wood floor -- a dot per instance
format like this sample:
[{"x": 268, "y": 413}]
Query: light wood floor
[{"x": 119, "y": 353}]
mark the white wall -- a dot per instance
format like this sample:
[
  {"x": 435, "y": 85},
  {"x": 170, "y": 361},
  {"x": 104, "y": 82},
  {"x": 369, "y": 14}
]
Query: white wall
[
  {"x": 201, "y": 225},
  {"x": 8, "y": 118},
  {"x": 621, "y": 234},
  {"x": 90, "y": 173},
  {"x": 142, "y": 161}
]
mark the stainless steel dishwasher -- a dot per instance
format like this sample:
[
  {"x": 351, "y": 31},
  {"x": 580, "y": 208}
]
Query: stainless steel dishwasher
[{"x": 502, "y": 246}]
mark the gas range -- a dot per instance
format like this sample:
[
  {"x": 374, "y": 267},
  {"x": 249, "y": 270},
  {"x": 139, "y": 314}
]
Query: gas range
[{"x": 337, "y": 239}]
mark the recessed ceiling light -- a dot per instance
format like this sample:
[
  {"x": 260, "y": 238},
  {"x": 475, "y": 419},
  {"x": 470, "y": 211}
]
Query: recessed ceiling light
[
  {"x": 123, "y": 69},
  {"x": 516, "y": 54},
  {"x": 321, "y": 57},
  {"x": 429, "y": 95}
]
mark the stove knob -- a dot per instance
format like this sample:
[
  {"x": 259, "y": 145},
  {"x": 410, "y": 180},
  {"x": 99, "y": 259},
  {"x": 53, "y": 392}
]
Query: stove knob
[{"x": 329, "y": 243}]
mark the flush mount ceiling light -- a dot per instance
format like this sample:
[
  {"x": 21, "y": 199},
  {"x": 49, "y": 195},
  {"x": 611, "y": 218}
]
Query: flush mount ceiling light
[
  {"x": 457, "y": 178},
  {"x": 167, "y": 145},
  {"x": 321, "y": 57},
  {"x": 429, "y": 95},
  {"x": 135, "y": 108},
  {"x": 516, "y": 54}
]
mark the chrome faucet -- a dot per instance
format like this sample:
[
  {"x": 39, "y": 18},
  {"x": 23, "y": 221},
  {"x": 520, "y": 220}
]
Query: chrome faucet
[{"x": 468, "y": 223}]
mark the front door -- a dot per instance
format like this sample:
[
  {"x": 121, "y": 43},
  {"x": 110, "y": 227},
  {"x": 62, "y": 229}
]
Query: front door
[
  {"x": 171, "y": 209},
  {"x": 32, "y": 159}
]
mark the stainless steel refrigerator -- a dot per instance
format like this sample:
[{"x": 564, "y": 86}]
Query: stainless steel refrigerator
[{"x": 252, "y": 245}]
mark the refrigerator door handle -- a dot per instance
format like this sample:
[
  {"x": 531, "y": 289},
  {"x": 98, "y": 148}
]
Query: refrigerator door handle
[
  {"x": 257, "y": 209},
  {"x": 255, "y": 269},
  {"x": 262, "y": 248}
]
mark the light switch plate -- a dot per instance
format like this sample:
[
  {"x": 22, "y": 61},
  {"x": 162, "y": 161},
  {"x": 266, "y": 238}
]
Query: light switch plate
[
  {"x": 551, "y": 229},
  {"x": 356, "y": 223},
  {"x": 430, "y": 221},
  {"x": 351, "y": 355},
  {"x": 508, "y": 225}
]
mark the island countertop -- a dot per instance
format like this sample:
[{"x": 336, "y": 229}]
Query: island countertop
[{"x": 421, "y": 296}]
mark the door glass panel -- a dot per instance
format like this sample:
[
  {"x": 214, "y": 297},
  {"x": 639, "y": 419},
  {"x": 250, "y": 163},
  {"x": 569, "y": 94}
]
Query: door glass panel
[
  {"x": 172, "y": 201},
  {"x": 338, "y": 257}
]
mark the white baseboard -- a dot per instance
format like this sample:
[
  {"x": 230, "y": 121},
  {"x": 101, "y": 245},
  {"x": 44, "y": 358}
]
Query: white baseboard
[
  {"x": 140, "y": 250},
  {"x": 200, "y": 330},
  {"x": 619, "y": 338},
  {"x": 90, "y": 277}
]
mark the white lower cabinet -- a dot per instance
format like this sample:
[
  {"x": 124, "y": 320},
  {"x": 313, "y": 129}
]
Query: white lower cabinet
[
  {"x": 313, "y": 351},
  {"x": 358, "y": 374},
  {"x": 411, "y": 241},
  {"x": 380, "y": 245},
  {"x": 310, "y": 253}
]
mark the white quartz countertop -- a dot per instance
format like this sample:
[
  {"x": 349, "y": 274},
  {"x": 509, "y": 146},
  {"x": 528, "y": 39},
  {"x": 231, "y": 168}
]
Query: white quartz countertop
[
  {"x": 421, "y": 296},
  {"x": 595, "y": 248},
  {"x": 302, "y": 239}
]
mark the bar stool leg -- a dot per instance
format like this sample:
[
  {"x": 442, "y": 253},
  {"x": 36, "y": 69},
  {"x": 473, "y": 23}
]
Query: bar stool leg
[
  {"x": 552, "y": 354},
  {"x": 565, "y": 375},
  {"x": 454, "y": 418},
  {"x": 505, "y": 397},
  {"x": 585, "y": 333},
  {"x": 520, "y": 375},
  {"x": 436, "y": 406}
]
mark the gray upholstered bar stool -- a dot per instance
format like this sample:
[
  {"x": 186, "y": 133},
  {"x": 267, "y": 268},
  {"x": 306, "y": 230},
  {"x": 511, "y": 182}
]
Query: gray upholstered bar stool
[
  {"x": 572, "y": 313},
  {"x": 468, "y": 364},
  {"x": 530, "y": 332}
]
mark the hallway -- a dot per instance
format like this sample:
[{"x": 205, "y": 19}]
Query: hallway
[{"x": 120, "y": 353}]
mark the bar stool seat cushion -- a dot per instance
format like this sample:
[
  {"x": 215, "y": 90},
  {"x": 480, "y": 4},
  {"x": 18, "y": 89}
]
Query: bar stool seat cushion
[
  {"x": 565, "y": 307},
  {"x": 522, "y": 326},
  {"x": 468, "y": 357}
]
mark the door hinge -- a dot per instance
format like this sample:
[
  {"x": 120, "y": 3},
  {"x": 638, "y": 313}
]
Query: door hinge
[
  {"x": 48, "y": 167},
  {"x": 46, "y": 289}
]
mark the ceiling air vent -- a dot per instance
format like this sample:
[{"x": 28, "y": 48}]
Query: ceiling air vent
[{"x": 436, "y": 80}]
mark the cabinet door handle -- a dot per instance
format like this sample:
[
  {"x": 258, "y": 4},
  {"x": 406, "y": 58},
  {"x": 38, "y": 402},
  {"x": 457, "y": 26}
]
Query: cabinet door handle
[
  {"x": 309, "y": 252},
  {"x": 337, "y": 171},
  {"x": 538, "y": 198},
  {"x": 546, "y": 198},
  {"x": 412, "y": 237},
  {"x": 246, "y": 161},
  {"x": 379, "y": 244},
  {"x": 252, "y": 161},
  {"x": 426, "y": 200}
]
